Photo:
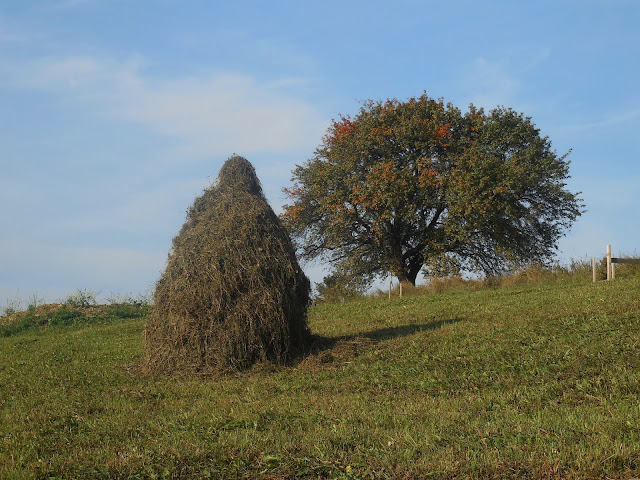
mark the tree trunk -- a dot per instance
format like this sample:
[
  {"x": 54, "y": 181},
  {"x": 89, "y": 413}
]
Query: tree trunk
[
  {"x": 406, "y": 264},
  {"x": 409, "y": 275}
]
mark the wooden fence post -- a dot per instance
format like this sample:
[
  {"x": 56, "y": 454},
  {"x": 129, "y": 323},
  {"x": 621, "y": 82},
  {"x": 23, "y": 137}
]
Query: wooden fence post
[
  {"x": 613, "y": 270},
  {"x": 612, "y": 261},
  {"x": 593, "y": 268}
]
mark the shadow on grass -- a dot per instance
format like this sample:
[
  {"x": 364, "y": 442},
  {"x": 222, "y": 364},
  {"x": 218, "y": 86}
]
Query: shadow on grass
[
  {"x": 389, "y": 333},
  {"x": 328, "y": 352}
]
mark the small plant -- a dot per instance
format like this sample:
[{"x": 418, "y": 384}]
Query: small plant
[
  {"x": 68, "y": 316},
  {"x": 82, "y": 298},
  {"x": 34, "y": 301},
  {"x": 13, "y": 305},
  {"x": 135, "y": 300}
]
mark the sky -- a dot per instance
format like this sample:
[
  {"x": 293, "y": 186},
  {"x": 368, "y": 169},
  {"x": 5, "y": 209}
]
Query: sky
[{"x": 115, "y": 115}]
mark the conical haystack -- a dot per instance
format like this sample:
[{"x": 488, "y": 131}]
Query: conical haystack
[{"x": 233, "y": 293}]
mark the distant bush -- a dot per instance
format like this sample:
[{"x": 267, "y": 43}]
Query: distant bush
[
  {"x": 12, "y": 306},
  {"x": 126, "y": 311},
  {"x": 82, "y": 298},
  {"x": 338, "y": 287},
  {"x": 66, "y": 316},
  {"x": 138, "y": 300},
  {"x": 34, "y": 301}
]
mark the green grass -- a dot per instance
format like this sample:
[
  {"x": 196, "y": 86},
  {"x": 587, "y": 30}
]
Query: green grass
[
  {"x": 46, "y": 316},
  {"x": 527, "y": 381}
]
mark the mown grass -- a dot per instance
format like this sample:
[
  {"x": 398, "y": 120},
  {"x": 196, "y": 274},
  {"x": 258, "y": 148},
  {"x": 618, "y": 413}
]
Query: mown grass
[{"x": 538, "y": 380}]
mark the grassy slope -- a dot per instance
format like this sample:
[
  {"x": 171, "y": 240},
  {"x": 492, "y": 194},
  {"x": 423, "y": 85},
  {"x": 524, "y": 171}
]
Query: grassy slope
[{"x": 533, "y": 381}]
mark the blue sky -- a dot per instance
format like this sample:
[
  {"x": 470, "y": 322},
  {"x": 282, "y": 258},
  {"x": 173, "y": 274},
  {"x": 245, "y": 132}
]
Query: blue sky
[{"x": 115, "y": 114}]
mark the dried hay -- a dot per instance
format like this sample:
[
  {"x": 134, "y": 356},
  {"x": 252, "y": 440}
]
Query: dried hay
[{"x": 233, "y": 293}]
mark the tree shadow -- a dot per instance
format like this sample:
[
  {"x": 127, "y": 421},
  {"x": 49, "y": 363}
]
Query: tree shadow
[
  {"x": 389, "y": 333},
  {"x": 327, "y": 352}
]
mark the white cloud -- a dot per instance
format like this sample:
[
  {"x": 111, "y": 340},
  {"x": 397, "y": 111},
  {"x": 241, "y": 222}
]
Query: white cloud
[
  {"x": 535, "y": 59},
  {"x": 112, "y": 263},
  {"x": 214, "y": 114},
  {"x": 9, "y": 34},
  {"x": 37, "y": 267},
  {"x": 225, "y": 113},
  {"x": 153, "y": 211},
  {"x": 65, "y": 4},
  {"x": 607, "y": 120},
  {"x": 490, "y": 83},
  {"x": 76, "y": 76},
  {"x": 10, "y": 37},
  {"x": 99, "y": 260},
  {"x": 501, "y": 81}
]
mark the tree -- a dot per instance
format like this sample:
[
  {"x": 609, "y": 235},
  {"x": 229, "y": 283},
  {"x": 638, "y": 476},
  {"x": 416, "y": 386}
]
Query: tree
[
  {"x": 406, "y": 184},
  {"x": 338, "y": 287}
]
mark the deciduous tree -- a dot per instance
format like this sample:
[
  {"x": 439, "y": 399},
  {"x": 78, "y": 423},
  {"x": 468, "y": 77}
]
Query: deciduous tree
[{"x": 403, "y": 185}]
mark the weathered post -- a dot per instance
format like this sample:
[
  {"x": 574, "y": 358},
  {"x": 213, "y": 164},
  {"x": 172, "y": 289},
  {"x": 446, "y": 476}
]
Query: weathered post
[
  {"x": 593, "y": 268},
  {"x": 608, "y": 262},
  {"x": 613, "y": 269}
]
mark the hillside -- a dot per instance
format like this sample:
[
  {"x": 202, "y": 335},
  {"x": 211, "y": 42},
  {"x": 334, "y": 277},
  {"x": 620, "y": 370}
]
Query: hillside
[{"x": 537, "y": 381}]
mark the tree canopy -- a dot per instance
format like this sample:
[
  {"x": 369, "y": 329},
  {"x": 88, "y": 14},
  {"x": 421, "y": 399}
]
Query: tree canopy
[{"x": 406, "y": 185}]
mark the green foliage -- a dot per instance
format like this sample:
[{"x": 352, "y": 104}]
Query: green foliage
[
  {"x": 82, "y": 298},
  {"x": 128, "y": 299},
  {"x": 45, "y": 316},
  {"x": 338, "y": 287},
  {"x": 408, "y": 184},
  {"x": 534, "y": 380},
  {"x": 124, "y": 310},
  {"x": 67, "y": 316}
]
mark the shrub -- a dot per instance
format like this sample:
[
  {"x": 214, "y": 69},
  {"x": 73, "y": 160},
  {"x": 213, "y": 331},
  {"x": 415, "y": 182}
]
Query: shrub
[
  {"x": 339, "y": 287},
  {"x": 232, "y": 293},
  {"x": 130, "y": 299},
  {"x": 82, "y": 298}
]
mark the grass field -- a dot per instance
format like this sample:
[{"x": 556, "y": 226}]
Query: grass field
[{"x": 527, "y": 381}]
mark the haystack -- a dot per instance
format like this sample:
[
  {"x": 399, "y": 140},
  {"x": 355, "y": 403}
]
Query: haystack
[{"x": 232, "y": 293}]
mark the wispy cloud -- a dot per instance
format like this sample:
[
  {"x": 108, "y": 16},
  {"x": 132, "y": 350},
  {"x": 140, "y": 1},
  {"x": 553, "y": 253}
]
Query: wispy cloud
[
  {"x": 79, "y": 266},
  {"x": 9, "y": 34},
  {"x": 152, "y": 211},
  {"x": 62, "y": 4},
  {"x": 212, "y": 114},
  {"x": 9, "y": 37},
  {"x": 607, "y": 120},
  {"x": 491, "y": 83},
  {"x": 225, "y": 113},
  {"x": 76, "y": 76}
]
